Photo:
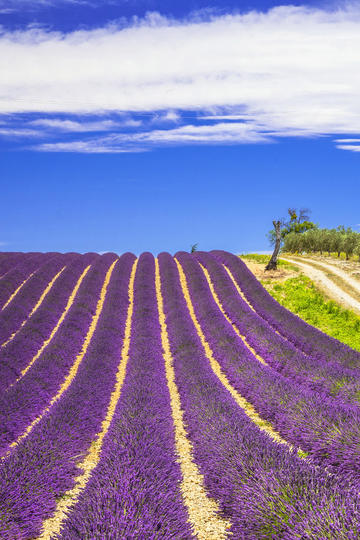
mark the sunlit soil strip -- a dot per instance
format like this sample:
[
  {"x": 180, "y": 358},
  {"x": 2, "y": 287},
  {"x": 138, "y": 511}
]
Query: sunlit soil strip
[
  {"x": 202, "y": 510},
  {"x": 16, "y": 291},
  {"x": 74, "y": 368},
  {"x": 237, "y": 287},
  {"x": 245, "y": 299},
  {"x": 240, "y": 400},
  {"x": 36, "y": 307},
  {"x": 56, "y": 328},
  {"x": 51, "y": 527},
  {"x": 219, "y": 304}
]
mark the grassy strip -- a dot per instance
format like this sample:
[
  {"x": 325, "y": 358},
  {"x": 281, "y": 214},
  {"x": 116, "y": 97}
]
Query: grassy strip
[{"x": 302, "y": 297}]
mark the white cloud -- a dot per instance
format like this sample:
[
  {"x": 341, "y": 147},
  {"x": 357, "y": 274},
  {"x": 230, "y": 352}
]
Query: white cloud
[
  {"x": 350, "y": 147},
  {"x": 216, "y": 117},
  {"x": 11, "y": 6},
  {"x": 347, "y": 141},
  {"x": 168, "y": 116},
  {"x": 77, "y": 127},
  {"x": 292, "y": 71},
  {"x": 221, "y": 133},
  {"x": 218, "y": 133},
  {"x": 97, "y": 146},
  {"x": 19, "y": 133}
]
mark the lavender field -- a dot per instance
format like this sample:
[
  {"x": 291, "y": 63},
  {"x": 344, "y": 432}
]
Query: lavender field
[{"x": 169, "y": 397}]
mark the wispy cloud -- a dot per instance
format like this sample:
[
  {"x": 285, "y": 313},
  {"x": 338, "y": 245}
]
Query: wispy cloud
[
  {"x": 97, "y": 146},
  {"x": 15, "y": 127},
  {"x": 11, "y": 6},
  {"x": 353, "y": 145},
  {"x": 290, "y": 72},
  {"x": 221, "y": 133},
  {"x": 350, "y": 147},
  {"x": 168, "y": 116},
  {"x": 347, "y": 141},
  {"x": 13, "y": 133},
  {"x": 78, "y": 127}
]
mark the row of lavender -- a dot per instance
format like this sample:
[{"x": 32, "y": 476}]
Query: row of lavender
[
  {"x": 138, "y": 470},
  {"x": 33, "y": 480},
  {"x": 20, "y": 307},
  {"x": 24, "y": 401},
  {"x": 326, "y": 375},
  {"x": 17, "y": 354},
  {"x": 266, "y": 491},
  {"x": 134, "y": 492},
  {"x": 306, "y": 337},
  {"x": 23, "y": 268},
  {"x": 10, "y": 260},
  {"x": 327, "y": 429}
]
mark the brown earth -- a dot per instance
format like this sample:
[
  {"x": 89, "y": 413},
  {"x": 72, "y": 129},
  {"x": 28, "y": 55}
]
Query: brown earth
[{"x": 281, "y": 274}]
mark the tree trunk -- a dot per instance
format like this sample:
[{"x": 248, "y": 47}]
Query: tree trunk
[{"x": 272, "y": 264}]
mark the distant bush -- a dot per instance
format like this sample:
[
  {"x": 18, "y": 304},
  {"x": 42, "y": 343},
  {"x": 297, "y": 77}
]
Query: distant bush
[{"x": 338, "y": 241}]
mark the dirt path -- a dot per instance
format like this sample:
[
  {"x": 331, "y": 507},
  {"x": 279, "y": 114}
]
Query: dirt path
[
  {"x": 354, "y": 283},
  {"x": 326, "y": 284},
  {"x": 350, "y": 267}
]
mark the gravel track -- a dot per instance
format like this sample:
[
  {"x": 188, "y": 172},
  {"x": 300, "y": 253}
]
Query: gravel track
[{"x": 333, "y": 290}]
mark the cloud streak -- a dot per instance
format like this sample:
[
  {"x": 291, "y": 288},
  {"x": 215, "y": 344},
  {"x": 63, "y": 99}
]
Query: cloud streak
[
  {"x": 78, "y": 127},
  {"x": 352, "y": 148},
  {"x": 221, "y": 133},
  {"x": 293, "y": 71},
  {"x": 11, "y": 6}
]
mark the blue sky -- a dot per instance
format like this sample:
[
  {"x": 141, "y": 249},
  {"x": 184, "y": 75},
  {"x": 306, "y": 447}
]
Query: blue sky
[{"x": 151, "y": 125}]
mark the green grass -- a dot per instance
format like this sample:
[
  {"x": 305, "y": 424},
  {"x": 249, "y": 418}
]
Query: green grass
[
  {"x": 256, "y": 257},
  {"x": 300, "y": 296}
]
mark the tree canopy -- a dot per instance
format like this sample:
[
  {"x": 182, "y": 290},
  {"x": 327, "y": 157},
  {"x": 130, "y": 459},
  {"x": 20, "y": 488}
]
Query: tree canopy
[
  {"x": 339, "y": 240},
  {"x": 297, "y": 222}
]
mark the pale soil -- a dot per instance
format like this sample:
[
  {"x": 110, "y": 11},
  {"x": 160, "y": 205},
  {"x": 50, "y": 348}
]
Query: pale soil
[
  {"x": 336, "y": 291},
  {"x": 258, "y": 269},
  {"x": 351, "y": 268},
  {"x": 344, "y": 269},
  {"x": 350, "y": 284}
]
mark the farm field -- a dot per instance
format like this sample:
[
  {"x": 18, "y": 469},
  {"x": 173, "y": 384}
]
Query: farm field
[{"x": 169, "y": 398}]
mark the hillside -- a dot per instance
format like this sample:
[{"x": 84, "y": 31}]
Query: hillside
[
  {"x": 169, "y": 398},
  {"x": 327, "y": 300}
]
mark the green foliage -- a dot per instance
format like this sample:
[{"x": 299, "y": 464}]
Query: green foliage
[
  {"x": 339, "y": 240},
  {"x": 194, "y": 248},
  {"x": 297, "y": 228},
  {"x": 300, "y": 296},
  {"x": 297, "y": 223}
]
